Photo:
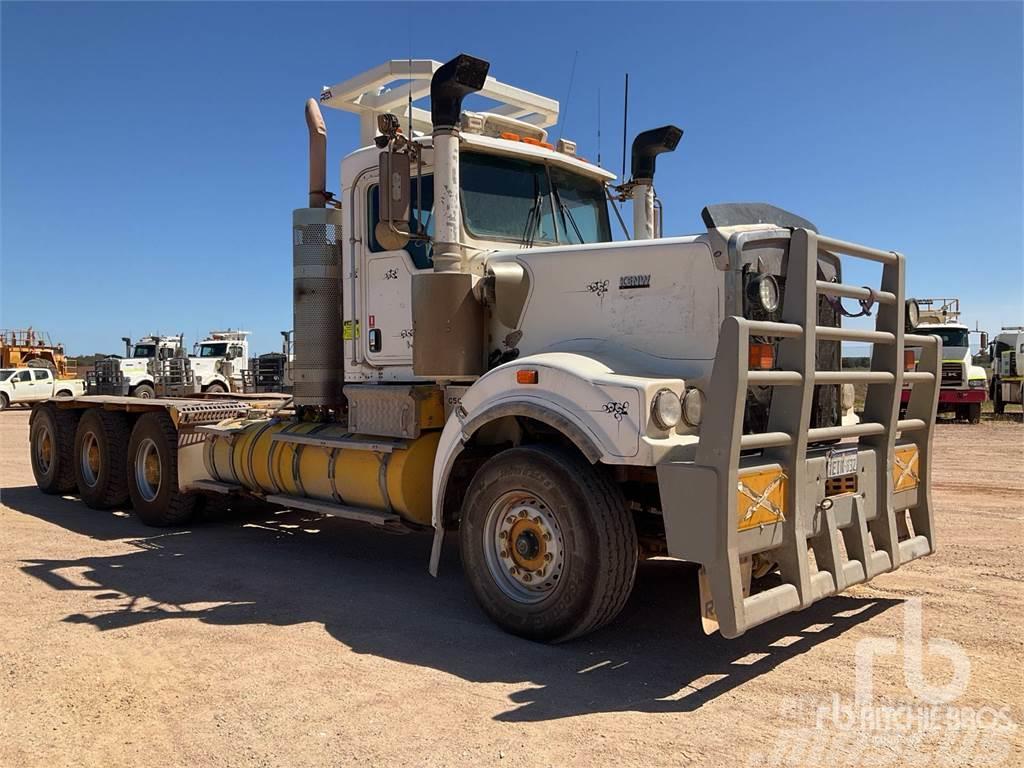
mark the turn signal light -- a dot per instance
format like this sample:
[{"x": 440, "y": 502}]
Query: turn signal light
[
  {"x": 526, "y": 376},
  {"x": 761, "y": 357},
  {"x": 909, "y": 363}
]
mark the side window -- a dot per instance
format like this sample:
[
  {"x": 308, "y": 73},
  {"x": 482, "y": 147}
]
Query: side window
[
  {"x": 41, "y": 374},
  {"x": 25, "y": 376},
  {"x": 236, "y": 352},
  {"x": 419, "y": 252}
]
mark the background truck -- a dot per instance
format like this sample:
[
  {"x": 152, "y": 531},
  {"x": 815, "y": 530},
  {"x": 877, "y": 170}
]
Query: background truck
[
  {"x": 28, "y": 347},
  {"x": 1007, "y": 352},
  {"x": 220, "y": 362},
  {"x": 135, "y": 374},
  {"x": 964, "y": 385},
  {"x": 475, "y": 354},
  {"x": 271, "y": 371},
  {"x": 27, "y": 385}
]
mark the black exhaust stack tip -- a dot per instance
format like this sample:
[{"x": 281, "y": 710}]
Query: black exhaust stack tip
[
  {"x": 451, "y": 83},
  {"x": 648, "y": 145}
]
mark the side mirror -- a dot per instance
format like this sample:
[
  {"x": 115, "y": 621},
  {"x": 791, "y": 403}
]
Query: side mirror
[
  {"x": 984, "y": 339},
  {"x": 392, "y": 231}
]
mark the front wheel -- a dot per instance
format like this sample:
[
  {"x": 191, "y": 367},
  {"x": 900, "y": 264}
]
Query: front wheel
[
  {"x": 217, "y": 388},
  {"x": 547, "y": 544},
  {"x": 145, "y": 391},
  {"x": 153, "y": 473},
  {"x": 4, "y": 401},
  {"x": 998, "y": 405},
  {"x": 974, "y": 413}
]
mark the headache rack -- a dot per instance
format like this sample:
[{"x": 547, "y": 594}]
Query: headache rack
[{"x": 876, "y": 537}]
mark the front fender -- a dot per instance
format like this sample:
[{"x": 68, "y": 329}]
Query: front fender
[{"x": 603, "y": 413}]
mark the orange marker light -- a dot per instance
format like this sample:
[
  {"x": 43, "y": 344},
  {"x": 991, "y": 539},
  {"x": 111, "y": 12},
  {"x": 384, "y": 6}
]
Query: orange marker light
[
  {"x": 510, "y": 136},
  {"x": 761, "y": 357},
  {"x": 526, "y": 376},
  {"x": 909, "y": 363},
  {"x": 530, "y": 140},
  {"x": 545, "y": 145}
]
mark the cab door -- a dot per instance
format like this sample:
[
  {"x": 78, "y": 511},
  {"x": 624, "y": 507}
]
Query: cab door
[{"x": 387, "y": 289}]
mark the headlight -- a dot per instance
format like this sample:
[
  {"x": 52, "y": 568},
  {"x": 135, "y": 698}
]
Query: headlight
[
  {"x": 976, "y": 384},
  {"x": 666, "y": 410},
  {"x": 913, "y": 314},
  {"x": 693, "y": 407},
  {"x": 763, "y": 291}
]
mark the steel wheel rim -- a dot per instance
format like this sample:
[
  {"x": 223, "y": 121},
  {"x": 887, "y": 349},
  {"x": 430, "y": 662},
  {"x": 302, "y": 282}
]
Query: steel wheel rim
[
  {"x": 145, "y": 395},
  {"x": 523, "y": 547},
  {"x": 90, "y": 459},
  {"x": 148, "y": 470},
  {"x": 44, "y": 449}
]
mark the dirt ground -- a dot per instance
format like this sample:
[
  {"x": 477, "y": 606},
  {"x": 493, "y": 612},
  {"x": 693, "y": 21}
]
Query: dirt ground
[{"x": 290, "y": 640}]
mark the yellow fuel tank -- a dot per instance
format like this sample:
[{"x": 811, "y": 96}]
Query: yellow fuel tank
[{"x": 248, "y": 455}]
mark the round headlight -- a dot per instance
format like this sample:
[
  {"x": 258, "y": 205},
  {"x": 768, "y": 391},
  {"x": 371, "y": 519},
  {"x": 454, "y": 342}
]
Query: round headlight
[
  {"x": 666, "y": 410},
  {"x": 763, "y": 291},
  {"x": 693, "y": 407},
  {"x": 913, "y": 314}
]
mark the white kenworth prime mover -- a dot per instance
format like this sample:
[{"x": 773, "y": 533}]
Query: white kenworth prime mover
[
  {"x": 963, "y": 388},
  {"x": 135, "y": 373},
  {"x": 475, "y": 354},
  {"x": 1007, "y": 351},
  {"x": 220, "y": 362}
]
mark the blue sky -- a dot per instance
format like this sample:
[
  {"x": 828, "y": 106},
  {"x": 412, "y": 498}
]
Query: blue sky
[{"x": 152, "y": 153}]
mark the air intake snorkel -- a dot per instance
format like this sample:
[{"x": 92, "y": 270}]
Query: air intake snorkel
[
  {"x": 646, "y": 148},
  {"x": 451, "y": 83},
  {"x": 447, "y": 317}
]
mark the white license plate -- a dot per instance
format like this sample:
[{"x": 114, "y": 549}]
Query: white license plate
[{"x": 841, "y": 461}]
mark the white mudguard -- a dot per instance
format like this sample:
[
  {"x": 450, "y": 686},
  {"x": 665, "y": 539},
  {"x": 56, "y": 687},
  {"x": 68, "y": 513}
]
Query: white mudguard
[{"x": 605, "y": 414}]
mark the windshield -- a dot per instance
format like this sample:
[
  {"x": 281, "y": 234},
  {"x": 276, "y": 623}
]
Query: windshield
[
  {"x": 212, "y": 350},
  {"x": 951, "y": 337},
  {"x": 144, "y": 350},
  {"x": 5, "y": 375},
  {"x": 513, "y": 199}
]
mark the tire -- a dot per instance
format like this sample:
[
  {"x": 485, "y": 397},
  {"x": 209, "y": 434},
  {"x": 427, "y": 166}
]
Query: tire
[
  {"x": 997, "y": 397},
  {"x": 974, "y": 413},
  {"x": 52, "y": 448},
  {"x": 101, "y": 451},
  {"x": 145, "y": 391},
  {"x": 153, "y": 473},
  {"x": 584, "y": 545},
  {"x": 64, "y": 393},
  {"x": 216, "y": 387},
  {"x": 4, "y": 402}
]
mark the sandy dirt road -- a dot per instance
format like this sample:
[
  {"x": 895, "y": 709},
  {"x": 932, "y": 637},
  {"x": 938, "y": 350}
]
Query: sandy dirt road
[{"x": 290, "y": 640}]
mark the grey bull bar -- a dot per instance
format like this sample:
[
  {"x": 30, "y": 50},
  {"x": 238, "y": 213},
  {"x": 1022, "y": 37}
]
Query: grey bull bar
[{"x": 747, "y": 501}]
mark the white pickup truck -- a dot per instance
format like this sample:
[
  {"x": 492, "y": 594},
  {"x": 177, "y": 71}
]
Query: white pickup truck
[{"x": 27, "y": 385}]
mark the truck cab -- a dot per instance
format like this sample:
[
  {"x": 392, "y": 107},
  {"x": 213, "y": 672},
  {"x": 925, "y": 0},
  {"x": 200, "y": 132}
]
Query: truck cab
[
  {"x": 964, "y": 385},
  {"x": 137, "y": 367},
  {"x": 220, "y": 361},
  {"x": 1007, "y": 353}
]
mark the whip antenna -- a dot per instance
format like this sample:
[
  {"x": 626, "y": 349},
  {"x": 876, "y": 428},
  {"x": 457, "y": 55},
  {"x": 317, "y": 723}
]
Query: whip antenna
[
  {"x": 568, "y": 95},
  {"x": 625, "y": 123}
]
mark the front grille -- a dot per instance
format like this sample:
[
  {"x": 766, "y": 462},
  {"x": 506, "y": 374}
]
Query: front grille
[{"x": 952, "y": 375}]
